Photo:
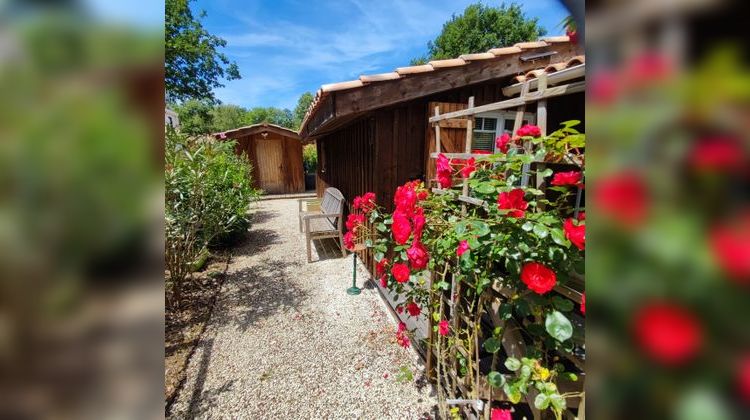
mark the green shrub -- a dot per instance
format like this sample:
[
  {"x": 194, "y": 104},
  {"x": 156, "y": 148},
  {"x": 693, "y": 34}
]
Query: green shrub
[
  {"x": 310, "y": 158},
  {"x": 208, "y": 193}
]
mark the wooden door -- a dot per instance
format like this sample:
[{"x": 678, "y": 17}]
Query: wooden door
[
  {"x": 269, "y": 154},
  {"x": 452, "y": 134}
]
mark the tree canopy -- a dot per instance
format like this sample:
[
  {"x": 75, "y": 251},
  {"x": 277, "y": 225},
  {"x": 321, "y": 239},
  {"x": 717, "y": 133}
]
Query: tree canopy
[
  {"x": 193, "y": 64},
  {"x": 481, "y": 28},
  {"x": 302, "y": 105}
]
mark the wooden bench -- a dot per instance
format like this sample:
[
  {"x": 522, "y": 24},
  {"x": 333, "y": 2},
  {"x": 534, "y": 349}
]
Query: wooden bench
[{"x": 323, "y": 222}]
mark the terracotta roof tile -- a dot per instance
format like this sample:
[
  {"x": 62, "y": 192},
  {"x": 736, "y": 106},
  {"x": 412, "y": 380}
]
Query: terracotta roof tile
[
  {"x": 478, "y": 56},
  {"x": 367, "y": 78},
  {"x": 579, "y": 59},
  {"x": 555, "y": 39},
  {"x": 453, "y": 62},
  {"x": 332, "y": 87},
  {"x": 529, "y": 45},
  {"x": 414, "y": 69},
  {"x": 555, "y": 67},
  {"x": 505, "y": 51}
]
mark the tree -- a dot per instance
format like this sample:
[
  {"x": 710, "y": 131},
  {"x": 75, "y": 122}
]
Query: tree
[
  {"x": 196, "y": 117},
  {"x": 481, "y": 28},
  {"x": 303, "y": 103},
  {"x": 271, "y": 115},
  {"x": 228, "y": 117},
  {"x": 193, "y": 66}
]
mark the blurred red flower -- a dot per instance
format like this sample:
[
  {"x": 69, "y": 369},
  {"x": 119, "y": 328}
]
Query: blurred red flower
[
  {"x": 623, "y": 197},
  {"x": 575, "y": 233},
  {"x": 566, "y": 178},
  {"x": 405, "y": 198},
  {"x": 469, "y": 168},
  {"x": 418, "y": 256},
  {"x": 730, "y": 244},
  {"x": 583, "y": 303},
  {"x": 384, "y": 281},
  {"x": 538, "y": 277},
  {"x": 513, "y": 201},
  {"x": 381, "y": 266},
  {"x": 603, "y": 88},
  {"x": 463, "y": 246},
  {"x": 413, "y": 309},
  {"x": 443, "y": 327},
  {"x": 418, "y": 220},
  {"x": 743, "y": 378},
  {"x": 718, "y": 154},
  {"x": 401, "y": 227},
  {"x": 400, "y": 272},
  {"x": 668, "y": 333},
  {"x": 365, "y": 202},
  {"x": 349, "y": 240},
  {"x": 353, "y": 221},
  {"x": 500, "y": 414},
  {"x": 647, "y": 68},
  {"x": 503, "y": 142},
  {"x": 529, "y": 130}
]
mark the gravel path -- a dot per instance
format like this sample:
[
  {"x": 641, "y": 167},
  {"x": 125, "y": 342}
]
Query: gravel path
[{"x": 286, "y": 341}]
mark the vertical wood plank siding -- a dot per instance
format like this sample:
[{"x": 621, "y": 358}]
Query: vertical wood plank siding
[{"x": 291, "y": 170}]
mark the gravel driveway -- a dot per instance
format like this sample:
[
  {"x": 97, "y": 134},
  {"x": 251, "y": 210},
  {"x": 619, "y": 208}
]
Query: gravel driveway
[{"x": 286, "y": 341}]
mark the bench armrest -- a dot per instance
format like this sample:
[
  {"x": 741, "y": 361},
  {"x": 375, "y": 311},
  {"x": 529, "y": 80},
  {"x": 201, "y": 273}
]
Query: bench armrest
[
  {"x": 308, "y": 201},
  {"x": 321, "y": 215}
]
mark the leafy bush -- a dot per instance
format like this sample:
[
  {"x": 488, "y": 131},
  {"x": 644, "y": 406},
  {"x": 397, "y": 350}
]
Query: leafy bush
[
  {"x": 310, "y": 158},
  {"x": 208, "y": 193}
]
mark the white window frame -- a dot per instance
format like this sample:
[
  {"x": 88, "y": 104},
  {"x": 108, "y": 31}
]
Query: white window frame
[{"x": 502, "y": 117}]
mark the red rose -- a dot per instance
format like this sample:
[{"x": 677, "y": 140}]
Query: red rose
[
  {"x": 513, "y": 201},
  {"x": 529, "y": 130},
  {"x": 604, "y": 88},
  {"x": 405, "y": 198},
  {"x": 572, "y": 35},
  {"x": 743, "y": 378},
  {"x": 503, "y": 142},
  {"x": 443, "y": 164},
  {"x": 667, "y": 333},
  {"x": 365, "y": 202},
  {"x": 646, "y": 69},
  {"x": 575, "y": 233},
  {"x": 381, "y": 266},
  {"x": 400, "y": 272},
  {"x": 718, "y": 154},
  {"x": 500, "y": 414},
  {"x": 413, "y": 309},
  {"x": 384, "y": 281},
  {"x": 354, "y": 221},
  {"x": 418, "y": 220},
  {"x": 444, "y": 171},
  {"x": 538, "y": 277},
  {"x": 463, "y": 246},
  {"x": 567, "y": 178},
  {"x": 418, "y": 256},
  {"x": 583, "y": 303},
  {"x": 623, "y": 197},
  {"x": 469, "y": 168},
  {"x": 730, "y": 244},
  {"x": 443, "y": 328},
  {"x": 401, "y": 227},
  {"x": 481, "y": 152},
  {"x": 349, "y": 239}
]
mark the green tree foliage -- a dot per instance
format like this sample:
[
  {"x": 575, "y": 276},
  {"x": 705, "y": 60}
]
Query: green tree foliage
[
  {"x": 196, "y": 117},
  {"x": 228, "y": 117},
  {"x": 303, "y": 103},
  {"x": 193, "y": 64},
  {"x": 272, "y": 115},
  {"x": 481, "y": 28}
]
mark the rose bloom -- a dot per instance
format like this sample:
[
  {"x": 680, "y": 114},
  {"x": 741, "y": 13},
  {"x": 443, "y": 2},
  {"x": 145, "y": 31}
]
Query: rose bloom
[
  {"x": 604, "y": 88},
  {"x": 413, "y": 309},
  {"x": 443, "y": 328},
  {"x": 538, "y": 278},
  {"x": 405, "y": 198},
  {"x": 743, "y": 378},
  {"x": 500, "y": 414},
  {"x": 567, "y": 178},
  {"x": 572, "y": 35},
  {"x": 354, "y": 220},
  {"x": 730, "y": 245},
  {"x": 444, "y": 171},
  {"x": 463, "y": 246},
  {"x": 418, "y": 220},
  {"x": 400, "y": 272},
  {"x": 418, "y": 256},
  {"x": 583, "y": 303},
  {"x": 529, "y": 130},
  {"x": 381, "y": 266},
  {"x": 349, "y": 240},
  {"x": 445, "y": 180},
  {"x": 443, "y": 164},
  {"x": 647, "y": 68},
  {"x": 513, "y": 201},
  {"x": 667, "y": 333},
  {"x": 575, "y": 233},
  {"x": 365, "y": 202},
  {"x": 623, "y": 197},
  {"x": 503, "y": 142},
  {"x": 469, "y": 168},
  {"x": 717, "y": 154},
  {"x": 384, "y": 281},
  {"x": 401, "y": 227}
]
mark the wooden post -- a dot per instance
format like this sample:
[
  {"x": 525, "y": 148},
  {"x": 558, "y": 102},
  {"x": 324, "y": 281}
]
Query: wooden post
[
  {"x": 516, "y": 125},
  {"x": 437, "y": 140},
  {"x": 541, "y": 122},
  {"x": 467, "y": 149}
]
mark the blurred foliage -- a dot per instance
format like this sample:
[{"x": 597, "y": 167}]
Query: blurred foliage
[
  {"x": 192, "y": 62},
  {"x": 481, "y": 28},
  {"x": 208, "y": 193},
  {"x": 310, "y": 158}
]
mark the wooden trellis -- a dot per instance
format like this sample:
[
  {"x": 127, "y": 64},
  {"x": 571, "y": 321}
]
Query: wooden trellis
[{"x": 513, "y": 343}]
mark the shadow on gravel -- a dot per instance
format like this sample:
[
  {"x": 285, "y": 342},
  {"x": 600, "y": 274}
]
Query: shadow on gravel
[
  {"x": 257, "y": 292},
  {"x": 262, "y": 216},
  {"x": 200, "y": 399},
  {"x": 327, "y": 249}
]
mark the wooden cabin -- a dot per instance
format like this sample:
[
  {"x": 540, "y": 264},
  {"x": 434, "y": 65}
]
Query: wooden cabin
[{"x": 275, "y": 153}]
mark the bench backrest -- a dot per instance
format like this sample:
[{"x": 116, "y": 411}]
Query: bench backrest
[{"x": 332, "y": 203}]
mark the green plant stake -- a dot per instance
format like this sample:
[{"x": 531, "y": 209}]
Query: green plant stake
[{"x": 354, "y": 290}]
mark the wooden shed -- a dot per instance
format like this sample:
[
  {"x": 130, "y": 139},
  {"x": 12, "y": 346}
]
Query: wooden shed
[
  {"x": 275, "y": 153},
  {"x": 373, "y": 133}
]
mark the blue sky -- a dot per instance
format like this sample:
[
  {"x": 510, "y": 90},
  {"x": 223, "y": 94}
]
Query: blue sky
[{"x": 287, "y": 47}]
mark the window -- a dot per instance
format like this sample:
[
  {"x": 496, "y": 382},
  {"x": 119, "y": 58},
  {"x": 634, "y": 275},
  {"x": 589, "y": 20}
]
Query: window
[{"x": 483, "y": 137}]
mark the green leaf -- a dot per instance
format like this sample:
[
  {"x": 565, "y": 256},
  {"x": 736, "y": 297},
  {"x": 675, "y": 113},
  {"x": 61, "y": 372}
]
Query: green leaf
[
  {"x": 542, "y": 401},
  {"x": 496, "y": 379},
  {"x": 379, "y": 256},
  {"x": 513, "y": 393},
  {"x": 485, "y": 188},
  {"x": 559, "y": 237},
  {"x": 557, "y": 401},
  {"x": 480, "y": 228},
  {"x": 558, "y": 326},
  {"x": 492, "y": 345},
  {"x": 512, "y": 364},
  {"x": 541, "y": 231},
  {"x": 460, "y": 228},
  {"x": 528, "y": 226},
  {"x": 562, "y": 304},
  {"x": 547, "y": 172}
]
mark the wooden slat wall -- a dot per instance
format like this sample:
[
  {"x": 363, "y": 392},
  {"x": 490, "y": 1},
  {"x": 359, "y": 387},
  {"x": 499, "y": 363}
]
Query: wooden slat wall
[
  {"x": 452, "y": 140},
  {"x": 292, "y": 169}
]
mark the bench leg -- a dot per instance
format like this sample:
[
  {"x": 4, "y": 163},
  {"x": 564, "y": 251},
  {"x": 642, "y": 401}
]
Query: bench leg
[
  {"x": 300, "y": 225},
  {"x": 309, "y": 251}
]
